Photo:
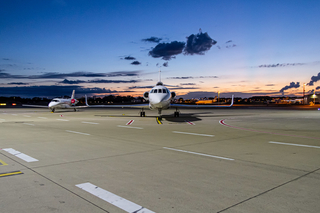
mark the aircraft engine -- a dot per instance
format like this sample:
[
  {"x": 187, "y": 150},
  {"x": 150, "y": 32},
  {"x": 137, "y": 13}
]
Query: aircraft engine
[
  {"x": 173, "y": 94},
  {"x": 146, "y": 96}
]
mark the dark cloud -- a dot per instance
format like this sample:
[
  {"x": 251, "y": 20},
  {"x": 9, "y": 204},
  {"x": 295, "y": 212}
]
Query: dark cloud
[
  {"x": 5, "y": 59},
  {"x": 192, "y": 77},
  {"x": 136, "y": 63},
  {"x": 313, "y": 79},
  {"x": 229, "y": 41},
  {"x": 292, "y": 85},
  {"x": 198, "y": 44},
  {"x": 54, "y": 75},
  {"x": 129, "y": 58},
  {"x": 165, "y": 64},
  {"x": 280, "y": 65},
  {"x": 103, "y": 81},
  {"x": 152, "y": 39},
  {"x": 17, "y": 83},
  {"x": 167, "y": 51},
  {"x": 270, "y": 85},
  {"x": 202, "y": 94},
  {"x": 188, "y": 84},
  {"x": 54, "y": 91},
  {"x": 65, "y": 81},
  {"x": 318, "y": 88}
]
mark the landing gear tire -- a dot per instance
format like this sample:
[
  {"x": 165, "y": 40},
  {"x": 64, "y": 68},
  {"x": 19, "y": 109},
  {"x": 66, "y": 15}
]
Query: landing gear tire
[
  {"x": 176, "y": 114},
  {"x": 75, "y": 109},
  {"x": 142, "y": 114},
  {"x": 52, "y": 110}
]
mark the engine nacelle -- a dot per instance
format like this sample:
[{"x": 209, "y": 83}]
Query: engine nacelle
[
  {"x": 146, "y": 96},
  {"x": 173, "y": 95}
]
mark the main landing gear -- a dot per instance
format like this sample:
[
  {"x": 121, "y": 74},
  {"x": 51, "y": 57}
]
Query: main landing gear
[
  {"x": 176, "y": 113},
  {"x": 52, "y": 110},
  {"x": 142, "y": 113}
]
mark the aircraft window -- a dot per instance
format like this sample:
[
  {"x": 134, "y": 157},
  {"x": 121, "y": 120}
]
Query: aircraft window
[
  {"x": 164, "y": 90},
  {"x": 55, "y": 100},
  {"x": 151, "y": 91},
  {"x": 155, "y": 91},
  {"x": 159, "y": 90},
  {"x": 168, "y": 91}
]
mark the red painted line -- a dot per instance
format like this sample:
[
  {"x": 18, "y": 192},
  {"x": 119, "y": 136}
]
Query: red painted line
[
  {"x": 130, "y": 122},
  {"x": 189, "y": 122},
  {"x": 272, "y": 133}
]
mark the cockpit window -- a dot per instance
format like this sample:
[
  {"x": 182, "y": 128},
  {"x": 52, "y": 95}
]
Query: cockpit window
[
  {"x": 159, "y": 90},
  {"x": 164, "y": 90},
  {"x": 55, "y": 100},
  {"x": 155, "y": 91}
]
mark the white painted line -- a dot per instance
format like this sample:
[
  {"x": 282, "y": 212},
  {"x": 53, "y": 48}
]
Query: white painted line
[
  {"x": 196, "y": 153},
  {"x": 20, "y": 155},
  {"x": 189, "y": 133},
  {"x": 62, "y": 120},
  {"x": 14, "y": 114},
  {"x": 27, "y": 116},
  {"x": 130, "y": 127},
  {"x": 84, "y": 122},
  {"x": 42, "y": 117},
  {"x": 2, "y": 119},
  {"x": 113, "y": 199},
  {"x": 292, "y": 144},
  {"x": 77, "y": 132},
  {"x": 28, "y": 124}
]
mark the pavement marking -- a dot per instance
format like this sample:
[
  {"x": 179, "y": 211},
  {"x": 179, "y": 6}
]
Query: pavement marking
[
  {"x": 189, "y": 133},
  {"x": 189, "y": 122},
  {"x": 42, "y": 117},
  {"x": 2, "y": 119},
  {"x": 28, "y": 116},
  {"x": 77, "y": 132},
  {"x": 20, "y": 155},
  {"x": 10, "y": 173},
  {"x": 28, "y": 124},
  {"x": 130, "y": 127},
  {"x": 62, "y": 120},
  {"x": 2, "y": 163},
  {"x": 113, "y": 199},
  {"x": 84, "y": 122},
  {"x": 130, "y": 122},
  {"x": 159, "y": 120},
  {"x": 196, "y": 153},
  {"x": 14, "y": 114},
  {"x": 272, "y": 133},
  {"x": 292, "y": 144}
]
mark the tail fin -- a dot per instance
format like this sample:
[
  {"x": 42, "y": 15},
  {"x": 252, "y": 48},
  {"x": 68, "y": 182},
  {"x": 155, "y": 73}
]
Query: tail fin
[
  {"x": 86, "y": 101},
  {"x": 72, "y": 96},
  {"x": 232, "y": 100}
]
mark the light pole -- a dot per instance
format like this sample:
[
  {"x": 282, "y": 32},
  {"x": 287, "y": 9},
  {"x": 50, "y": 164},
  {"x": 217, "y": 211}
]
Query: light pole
[
  {"x": 304, "y": 89},
  {"x": 218, "y": 96}
]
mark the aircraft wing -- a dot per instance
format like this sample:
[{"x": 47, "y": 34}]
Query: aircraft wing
[
  {"x": 201, "y": 106},
  {"x": 121, "y": 106},
  {"x": 40, "y": 106}
]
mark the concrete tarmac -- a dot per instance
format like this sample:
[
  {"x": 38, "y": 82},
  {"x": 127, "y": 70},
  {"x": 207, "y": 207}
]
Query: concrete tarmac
[{"x": 214, "y": 160}]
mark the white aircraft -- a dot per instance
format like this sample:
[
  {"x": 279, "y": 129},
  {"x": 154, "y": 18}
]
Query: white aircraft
[
  {"x": 160, "y": 98},
  {"x": 61, "y": 103}
]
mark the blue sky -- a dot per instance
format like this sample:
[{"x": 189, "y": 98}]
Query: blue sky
[{"x": 246, "y": 48}]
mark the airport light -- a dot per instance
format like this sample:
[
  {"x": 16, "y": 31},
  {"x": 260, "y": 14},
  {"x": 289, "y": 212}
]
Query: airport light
[{"x": 218, "y": 96}]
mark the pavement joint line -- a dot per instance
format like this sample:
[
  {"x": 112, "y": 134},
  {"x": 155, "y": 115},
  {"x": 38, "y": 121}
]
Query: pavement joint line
[
  {"x": 113, "y": 199},
  {"x": 197, "y": 153},
  {"x": 77, "y": 132},
  {"x": 131, "y": 127},
  {"x": 265, "y": 192},
  {"x": 52, "y": 181},
  {"x": 292, "y": 144},
  {"x": 189, "y": 133},
  {"x": 265, "y": 132}
]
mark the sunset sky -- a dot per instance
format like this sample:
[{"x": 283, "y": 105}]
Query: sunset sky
[{"x": 242, "y": 47}]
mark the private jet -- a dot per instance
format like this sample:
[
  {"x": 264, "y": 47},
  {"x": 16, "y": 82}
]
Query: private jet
[
  {"x": 61, "y": 103},
  {"x": 160, "y": 98}
]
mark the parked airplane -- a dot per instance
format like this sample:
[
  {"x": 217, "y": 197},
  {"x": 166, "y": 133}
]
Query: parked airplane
[
  {"x": 61, "y": 103},
  {"x": 160, "y": 98}
]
